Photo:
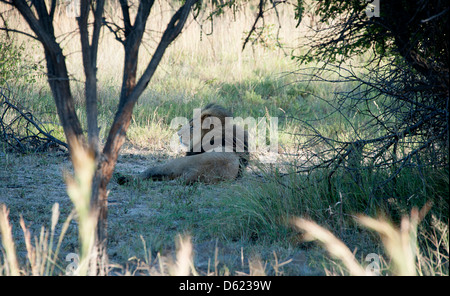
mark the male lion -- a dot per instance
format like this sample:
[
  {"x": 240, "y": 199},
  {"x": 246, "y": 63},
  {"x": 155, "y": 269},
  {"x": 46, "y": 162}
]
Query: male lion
[{"x": 214, "y": 154}]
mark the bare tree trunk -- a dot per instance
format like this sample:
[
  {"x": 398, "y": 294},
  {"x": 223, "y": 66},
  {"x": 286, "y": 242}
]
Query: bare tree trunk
[
  {"x": 58, "y": 79},
  {"x": 131, "y": 92},
  {"x": 89, "y": 51}
]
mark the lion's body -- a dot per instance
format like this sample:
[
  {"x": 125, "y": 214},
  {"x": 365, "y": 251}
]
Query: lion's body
[
  {"x": 211, "y": 165},
  {"x": 206, "y": 167}
]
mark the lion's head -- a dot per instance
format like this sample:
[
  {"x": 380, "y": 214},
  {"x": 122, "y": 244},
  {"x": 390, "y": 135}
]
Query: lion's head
[{"x": 212, "y": 129}]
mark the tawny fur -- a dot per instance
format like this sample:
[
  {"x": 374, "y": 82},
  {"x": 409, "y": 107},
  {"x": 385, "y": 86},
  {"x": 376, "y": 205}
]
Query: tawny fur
[{"x": 203, "y": 166}]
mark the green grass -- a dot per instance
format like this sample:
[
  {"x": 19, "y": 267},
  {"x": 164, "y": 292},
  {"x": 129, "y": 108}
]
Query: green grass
[
  {"x": 266, "y": 205},
  {"x": 251, "y": 217}
]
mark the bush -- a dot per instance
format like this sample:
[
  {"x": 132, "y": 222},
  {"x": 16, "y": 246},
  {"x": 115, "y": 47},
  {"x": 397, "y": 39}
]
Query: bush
[{"x": 15, "y": 66}]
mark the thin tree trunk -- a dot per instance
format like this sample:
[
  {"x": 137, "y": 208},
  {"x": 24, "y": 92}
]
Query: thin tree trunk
[
  {"x": 58, "y": 79},
  {"x": 129, "y": 96},
  {"x": 89, "y": 52}
]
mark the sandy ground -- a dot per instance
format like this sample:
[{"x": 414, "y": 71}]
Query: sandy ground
[{"x": 152, "y": 213}]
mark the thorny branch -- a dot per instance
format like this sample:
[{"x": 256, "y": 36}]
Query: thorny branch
[
  {"x": 398, "y": 120},
  {"x": 21, "y": 131}
]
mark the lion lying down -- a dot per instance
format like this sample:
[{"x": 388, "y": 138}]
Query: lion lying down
[{"x": 223, "y": 157}]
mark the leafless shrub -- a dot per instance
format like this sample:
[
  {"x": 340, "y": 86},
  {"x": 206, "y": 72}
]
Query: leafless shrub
[
  {"x": 21, "y": 130},
  {"x": 401, "y": 122},
  {"x": 393, "y": 108}
]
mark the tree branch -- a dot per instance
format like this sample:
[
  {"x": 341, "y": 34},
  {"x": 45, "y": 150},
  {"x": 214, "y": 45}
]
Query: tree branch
[
  {"x": 172, "y": 31},
  {"x": 260, "y": 15},
  {"x": 89, "y": 51},
  {"x": 122, "y": 119},
  {"x": 56, "y": 67},
  {"x": 52, "y": 10},
  {"x": 126, "y": 17},
  {"x": 19, "y": 32}
]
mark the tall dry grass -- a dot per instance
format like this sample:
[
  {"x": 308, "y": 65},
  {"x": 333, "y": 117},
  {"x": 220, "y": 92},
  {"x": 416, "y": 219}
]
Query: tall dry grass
[
  {"x": 11, "y": 265},
  {"x": 400, "y": 243},
  {"x": 198, "y": 67},
  {"x": 41, "y": 253},
  {"x": 79, "y": 189},
  {"x": 42, "y": 256}
]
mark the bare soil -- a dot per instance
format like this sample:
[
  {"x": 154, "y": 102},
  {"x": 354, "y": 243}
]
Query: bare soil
[{"x": 150, "y": 213}]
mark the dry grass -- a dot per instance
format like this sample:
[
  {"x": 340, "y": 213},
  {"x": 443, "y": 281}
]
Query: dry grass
[
  {"x": 228, "y": 229},
  {"x": 401, "y": 244},
  {"x": 11, "y": 265}
]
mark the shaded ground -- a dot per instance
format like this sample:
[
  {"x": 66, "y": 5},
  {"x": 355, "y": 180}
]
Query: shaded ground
[{"x": 150, "y": 213}]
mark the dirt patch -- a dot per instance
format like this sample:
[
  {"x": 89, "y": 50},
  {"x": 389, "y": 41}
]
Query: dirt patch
[{"x": 150, "y": 213}]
